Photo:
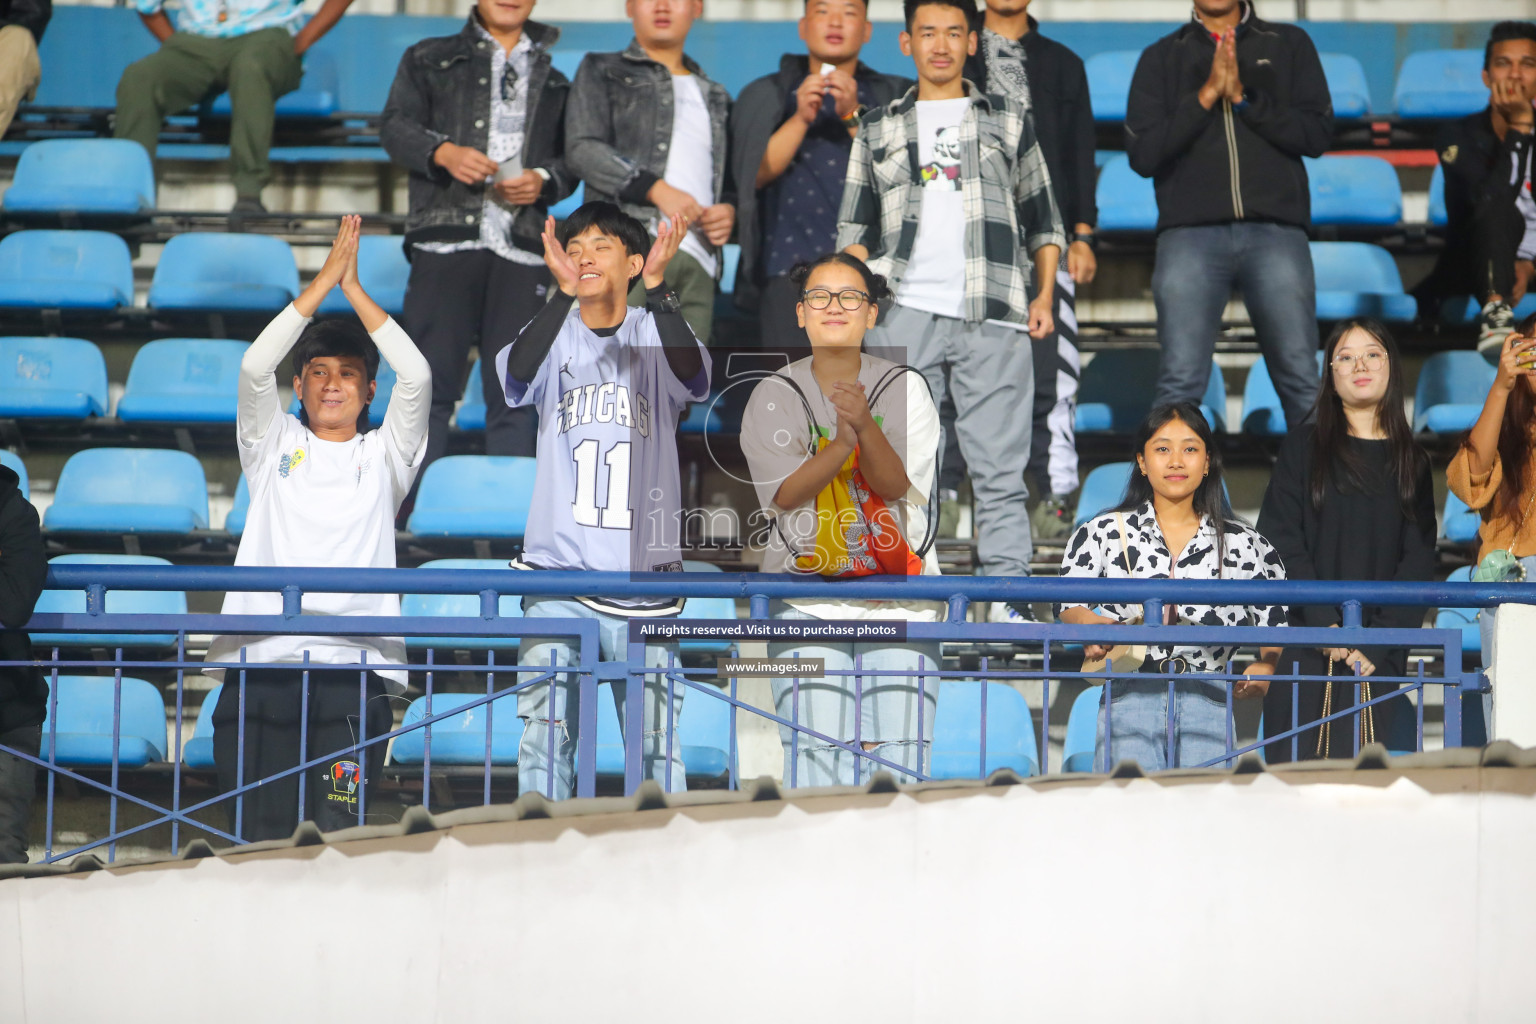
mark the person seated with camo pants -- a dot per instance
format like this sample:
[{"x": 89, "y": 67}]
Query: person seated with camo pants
[{"x": 254, "y": 49}]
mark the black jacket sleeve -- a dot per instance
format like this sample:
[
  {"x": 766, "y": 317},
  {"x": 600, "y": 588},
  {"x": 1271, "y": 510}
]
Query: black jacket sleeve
[
  {"x": 23, "y": 565},
  {"x": 402, "y": 127},
  {"x": 1304, "y": 126},
  {"x": 1283, "y": 519},
  {"x": 1158, "y": 130},
  {"x": 1077, "y": 153},
  {"x": 32, "y": 15}
]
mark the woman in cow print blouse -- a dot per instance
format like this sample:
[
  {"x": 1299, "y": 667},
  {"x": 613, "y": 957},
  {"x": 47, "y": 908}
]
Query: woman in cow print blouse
[{"x": 1174, "y": 503}]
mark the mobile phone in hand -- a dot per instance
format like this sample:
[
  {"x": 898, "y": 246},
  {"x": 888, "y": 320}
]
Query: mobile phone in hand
[{"x": 508, "y": 169}]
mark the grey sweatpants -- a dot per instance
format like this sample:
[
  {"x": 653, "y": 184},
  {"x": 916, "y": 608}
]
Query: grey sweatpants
[{"x": 991, "y": 371}]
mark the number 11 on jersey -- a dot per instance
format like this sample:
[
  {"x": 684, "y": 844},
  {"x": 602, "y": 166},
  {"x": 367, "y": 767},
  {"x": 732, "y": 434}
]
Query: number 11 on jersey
[{"x": 616, "y": 513}]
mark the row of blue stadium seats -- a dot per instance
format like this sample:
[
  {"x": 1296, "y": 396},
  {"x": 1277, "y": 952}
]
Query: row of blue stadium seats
[
  {"x": 1117, "y": 387},
  {"x": 113, "y": 179},
  {"x": 1431, "y": 84},
  {"x": 1346, "y": 191},
  {"x": 349, "y": 71},
  {"x": 84, "y": 732},
  {"x": 461, "y": 496},
  {"x": 241, "y": 273}
]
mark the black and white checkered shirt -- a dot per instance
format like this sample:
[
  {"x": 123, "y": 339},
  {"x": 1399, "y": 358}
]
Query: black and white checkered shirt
[{"x": 1009, "y": 209}]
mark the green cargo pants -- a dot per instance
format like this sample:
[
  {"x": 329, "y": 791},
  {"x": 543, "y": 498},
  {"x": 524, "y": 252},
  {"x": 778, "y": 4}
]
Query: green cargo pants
[{"x": 256, "y": 69}]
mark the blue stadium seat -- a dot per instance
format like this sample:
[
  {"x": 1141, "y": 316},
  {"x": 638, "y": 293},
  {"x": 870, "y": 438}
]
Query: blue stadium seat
[
  {"x": 119, "y": 602},
  {"x": 570, "y": 204},
  {"x": 117, "y": 39},
  {"x": 703, "y": 728},
  {"x": 317, "y": 96},
  {"x": 52, "y": 378},
  {"x": 1127, "y": 201},
  {"x": 1437, "y": 213},
  {"x": 385, "y": 379},
  {"x": 1354, "y": 191},
  {"x": 1109, "y": 83},
  {"x": 1441, "y": 83},
  {"x": 1450, "y": 393},
  {"x": 461, "y": 738},
  {"x": 1359, "y": 279},
  {"x": 460, "y": 606},
  {"x": 197, "y": 752},
  {"x": 65, "y": 270},
  {"x": 183, "y": 380},
  {"x": 716, "y": 608},
  {"x": 957, "y": 732},
  {"x": 1464, "y": 619},
  {"x": 471, "y": 413},
  {"x": 566, "y": 62},
  {"x": 702, "y": 417},
  {"x": 235, "y": 521},
  {"x": 367, "y": 48},
  {"x": 220, "y": 272},
  {"x": 1103, "y": 488},
  {"x": 108, "y": 178},
  {"x": 85, "y": 728},
  {"x": 130, "y": 490},
  {"x": 382, "y": 270},
  {"x": 13, "y": 461},
  {"x": 1118, "y": 386},
  {"x": 1346, "y": 85},
  {"x": 1459, "y": 524},
  {"x": 1082, "y": 731},
  {"x": 474, "y": 496},
  {"x": 1262, "y": 414}
]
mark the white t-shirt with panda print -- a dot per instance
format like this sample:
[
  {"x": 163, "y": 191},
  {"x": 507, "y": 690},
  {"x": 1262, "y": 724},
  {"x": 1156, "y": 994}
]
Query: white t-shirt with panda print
[{"x": 1095, "y": 551}]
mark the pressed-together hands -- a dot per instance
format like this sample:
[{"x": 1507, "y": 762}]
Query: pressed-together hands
[
  {"x": 340, "y": 268},
  {"x": 1224, "y": 82},
  {"x": 816, "y": 87},
  {"x": 714, "y": 222},
  {"x": 669, "y": 235},
  {"x": 853, "y": 415}
]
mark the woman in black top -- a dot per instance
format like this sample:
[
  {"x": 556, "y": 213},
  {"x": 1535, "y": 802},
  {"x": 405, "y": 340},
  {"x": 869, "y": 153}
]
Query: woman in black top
[{"x": 1350, "y": 499}]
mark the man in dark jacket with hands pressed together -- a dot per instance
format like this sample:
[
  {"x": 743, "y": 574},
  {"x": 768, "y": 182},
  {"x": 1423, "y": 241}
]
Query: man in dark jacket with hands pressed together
[
  {"x": 1220, "y": 114},
  {"x": 23, "y": 691}
]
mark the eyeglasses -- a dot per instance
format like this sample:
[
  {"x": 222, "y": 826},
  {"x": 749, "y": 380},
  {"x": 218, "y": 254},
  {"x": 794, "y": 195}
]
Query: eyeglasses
[
  {"x": 1372, "y": 361},
  {"x": 820, "y": 298},
  {"x": 509, "y": 82}
]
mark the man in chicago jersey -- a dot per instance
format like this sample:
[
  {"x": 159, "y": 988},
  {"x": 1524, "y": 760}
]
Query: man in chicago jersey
[{"x": 609, "y": 382}]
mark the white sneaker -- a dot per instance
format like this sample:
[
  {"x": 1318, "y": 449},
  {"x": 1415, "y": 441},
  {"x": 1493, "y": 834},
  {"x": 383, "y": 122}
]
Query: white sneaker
[
  {"x": 1003, "y": 612},
  {"x": 1495, "y": 323}
]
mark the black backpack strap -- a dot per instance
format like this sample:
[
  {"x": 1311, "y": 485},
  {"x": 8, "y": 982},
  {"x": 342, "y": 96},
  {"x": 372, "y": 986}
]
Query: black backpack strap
[{"x": 887, "y": 379}]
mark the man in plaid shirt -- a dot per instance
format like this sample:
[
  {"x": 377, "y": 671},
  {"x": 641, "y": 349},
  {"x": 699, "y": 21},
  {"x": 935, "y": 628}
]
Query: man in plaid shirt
[{"x": 946, "y": 192}]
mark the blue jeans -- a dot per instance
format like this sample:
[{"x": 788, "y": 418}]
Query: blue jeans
[
  {"x": 1197, "y": 268},
  {"x": 880, "y": 713},
  {"x": 1475, "y": 733},
  {"x": 533, "y": 704},
  {"x": 1139, "y": 721}
]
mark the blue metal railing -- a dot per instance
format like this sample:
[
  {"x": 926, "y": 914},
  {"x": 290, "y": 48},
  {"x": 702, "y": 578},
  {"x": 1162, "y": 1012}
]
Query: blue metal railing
[{"x": 955, "y": 592}]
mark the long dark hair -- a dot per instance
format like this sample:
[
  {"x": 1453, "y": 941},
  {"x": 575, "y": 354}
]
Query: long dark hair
[
  {"x": 1333, "y": 459},
  {"x": 1514, "y": 441},
  {"x": 1210, "y": 497}
]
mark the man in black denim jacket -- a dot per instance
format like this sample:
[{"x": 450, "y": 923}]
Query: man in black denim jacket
[
  {"x": 478, "y": 118},
  {"x": 620, "y": 131}
]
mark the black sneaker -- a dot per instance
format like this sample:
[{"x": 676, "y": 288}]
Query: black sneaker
[{"x": 242, "y": 209}]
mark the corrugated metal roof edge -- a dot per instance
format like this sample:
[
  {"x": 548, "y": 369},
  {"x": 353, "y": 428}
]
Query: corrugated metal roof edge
[{"x": 650, "y": 798}]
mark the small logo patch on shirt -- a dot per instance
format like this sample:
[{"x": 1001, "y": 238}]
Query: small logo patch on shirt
[
  {"x": 667, "y": 567},
  {"x": 290, "y": 462}
]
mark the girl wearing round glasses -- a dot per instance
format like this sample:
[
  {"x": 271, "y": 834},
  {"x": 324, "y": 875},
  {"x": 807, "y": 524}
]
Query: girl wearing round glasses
[
  {"x": 802, "y": 427},
  {"x": 1350, "y": 498}
]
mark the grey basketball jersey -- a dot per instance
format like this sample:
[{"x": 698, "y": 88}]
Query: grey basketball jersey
[{"x": 607, "y": 494}]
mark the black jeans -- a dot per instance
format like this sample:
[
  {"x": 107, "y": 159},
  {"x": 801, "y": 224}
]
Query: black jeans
[
  {"x": 458, "y": 300},
  {"x": 781, "y": 330},
  {"x": 18, "y": 781},
  {"x": 273, "y": 702},
  {"x": 1497, "y": 229}
]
